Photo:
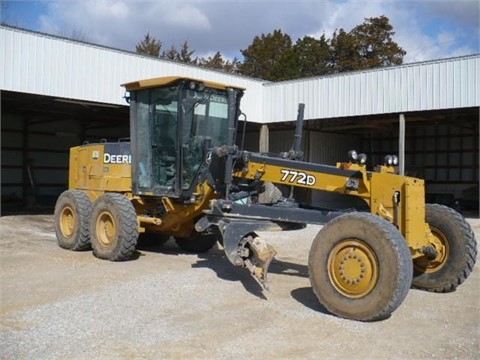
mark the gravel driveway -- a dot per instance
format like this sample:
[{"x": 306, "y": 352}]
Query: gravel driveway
[{"x": 164, "y": 304}]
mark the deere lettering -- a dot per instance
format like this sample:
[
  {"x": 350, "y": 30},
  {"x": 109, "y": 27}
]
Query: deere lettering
[{"x": 116, "y": 159}]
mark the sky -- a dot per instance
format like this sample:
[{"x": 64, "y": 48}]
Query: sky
[{"x": 425, "y": 29}]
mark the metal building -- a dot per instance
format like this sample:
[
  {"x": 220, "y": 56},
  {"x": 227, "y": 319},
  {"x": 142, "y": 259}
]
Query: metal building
[{"x": 57, "y": 93}]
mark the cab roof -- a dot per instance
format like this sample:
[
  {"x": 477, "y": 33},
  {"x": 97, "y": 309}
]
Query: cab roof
[{"x": 173, "y": 80}]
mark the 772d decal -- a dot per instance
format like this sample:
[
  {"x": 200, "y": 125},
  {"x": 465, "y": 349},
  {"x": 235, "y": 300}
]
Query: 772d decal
[{"x": 298, "y": 177}]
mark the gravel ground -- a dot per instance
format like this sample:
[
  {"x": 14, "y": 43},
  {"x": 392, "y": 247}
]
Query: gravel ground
[{"x": 57, "y": 304}]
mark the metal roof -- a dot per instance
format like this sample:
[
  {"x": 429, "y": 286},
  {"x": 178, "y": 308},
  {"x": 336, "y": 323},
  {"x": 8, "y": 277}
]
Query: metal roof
[
  {"x": 48, "y": 65},
  {"x": 432, "y": 85}
]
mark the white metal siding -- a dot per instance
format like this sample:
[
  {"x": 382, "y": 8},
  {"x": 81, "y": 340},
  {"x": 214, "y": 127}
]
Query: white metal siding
[
  {"x": 442, "y": 84},
  {"x": 45, "y": 65}
]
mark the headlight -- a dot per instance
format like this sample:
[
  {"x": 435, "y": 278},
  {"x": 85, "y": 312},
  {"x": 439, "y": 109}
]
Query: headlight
[
  {"x": 395, "y": 160},
  {"x": 362, "y": 158},
  {"x": 352, "y": 155},
  {"x": 389, "y": 160}
]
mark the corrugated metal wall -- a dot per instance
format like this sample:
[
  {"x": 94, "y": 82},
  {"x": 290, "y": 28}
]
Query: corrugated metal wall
[
  {"x": 331, "y": 148},
  {"x": 442, "y": 84},
  {"x": 34, "y": 159},
  {"x": 35, "y": 155},
  {"x": 46, "y": 65},
  {"x": 444, "y": 154}
]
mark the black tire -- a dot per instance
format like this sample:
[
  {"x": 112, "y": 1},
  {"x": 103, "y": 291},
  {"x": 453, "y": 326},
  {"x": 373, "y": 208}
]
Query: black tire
[
  {"x": 360, "y": 267},
  {"x": 114, "y": 227},
  {"x": 72, "y": 220},
  {"x": 458, "y": 250},
  {"x": 198, "y": 243}
]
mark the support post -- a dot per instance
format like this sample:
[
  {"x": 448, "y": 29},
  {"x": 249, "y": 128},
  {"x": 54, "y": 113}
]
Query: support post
[
  {"x": 401, "y": 145},
  {"x": 264, "y": 139}
]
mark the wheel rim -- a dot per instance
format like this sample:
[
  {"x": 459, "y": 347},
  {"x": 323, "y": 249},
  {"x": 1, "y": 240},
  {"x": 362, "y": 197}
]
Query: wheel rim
[
  {"x": 68, "y": 221},
  {"x": 106, "y": 228},
  {"x": 353, "y": 268},
  {"x": 440, "y": 243}
]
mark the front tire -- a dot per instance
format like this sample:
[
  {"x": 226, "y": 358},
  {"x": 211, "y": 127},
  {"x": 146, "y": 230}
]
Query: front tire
[
  {"x": 360, "y": 267},
  {"x": 456, "y": 251},
  {"x": 114, "y": 227},
  {"x": 72, "y": 220}
]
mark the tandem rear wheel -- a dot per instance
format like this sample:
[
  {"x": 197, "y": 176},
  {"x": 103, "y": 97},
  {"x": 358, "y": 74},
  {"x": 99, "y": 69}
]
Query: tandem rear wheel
[
  {"x": 360, "y": 267},
  {"x": 72, "y": 220},
  {"x": 110, "y": 227},
  {"x": 113, "y": 227}
]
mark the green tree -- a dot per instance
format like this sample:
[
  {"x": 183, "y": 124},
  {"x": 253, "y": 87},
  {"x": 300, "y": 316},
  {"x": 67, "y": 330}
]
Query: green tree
[
  {"x": 149, "y": 46},
  {"x": 185, "y": 54},
  {"x": 368, "y": 45},
  {"x": 343, "y": 51},
  {"x": 269, "y": 57},
  {"x": 313, "y": 56},
  {"x": 232, "y": 66},
  {"x": 171, "y": 54},
  {"x": 375, "y": 45},
  {"x": 217, "y": 62},
  {"x": 213, "y": 62}
]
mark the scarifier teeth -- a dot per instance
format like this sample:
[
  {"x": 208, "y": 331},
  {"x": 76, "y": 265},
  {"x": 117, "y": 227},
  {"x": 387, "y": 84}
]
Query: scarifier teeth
[{"x": 258, "y": 263}]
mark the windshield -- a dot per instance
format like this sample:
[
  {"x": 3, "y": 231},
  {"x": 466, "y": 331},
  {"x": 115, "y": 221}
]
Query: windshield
[
  {"x": 206, "y": 122},
  {"x": 206, "y": 115}
]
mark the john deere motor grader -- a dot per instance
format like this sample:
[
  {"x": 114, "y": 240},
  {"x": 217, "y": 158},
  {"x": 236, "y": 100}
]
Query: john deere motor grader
[{"x": 183, "y": 176}]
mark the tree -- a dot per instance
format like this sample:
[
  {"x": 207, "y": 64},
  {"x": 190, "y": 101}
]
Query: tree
[
  {"x": 232, "y": 66},
  {"x": 269, "y": 57},
  {"x": 171, "y": 54},
  {"x": 213, "y": 62},
  {"x": 375, "y": 45},
  {"x": 185, "y": 54},
  {"x": 344, "y": 53},
  {"x": 313, "y": 56},
  {"x": 274, "y": 57},
  {"x": 217, "y": 62},
  {"x": 149, "y": 46},
  {"x": 368, "y": 45}
]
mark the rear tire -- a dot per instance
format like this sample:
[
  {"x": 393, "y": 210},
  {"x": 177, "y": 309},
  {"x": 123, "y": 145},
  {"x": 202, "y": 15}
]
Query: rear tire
[
  {"x": 72, "y": 220},
  {"x": 114, "y": 227},
  {"x": 360, "y": 267},
  {"x": 457, "y": 251}
]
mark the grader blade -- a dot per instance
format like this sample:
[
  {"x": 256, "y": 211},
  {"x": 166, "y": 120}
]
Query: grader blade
[{"x": 261, "y": 255}]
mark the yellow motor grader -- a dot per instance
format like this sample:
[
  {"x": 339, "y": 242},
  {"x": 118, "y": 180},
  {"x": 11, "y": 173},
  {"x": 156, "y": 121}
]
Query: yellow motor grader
[{"x": 182, "y": 175}]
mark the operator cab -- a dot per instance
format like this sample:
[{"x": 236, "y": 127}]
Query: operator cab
[{"x": 173, "y": 122}]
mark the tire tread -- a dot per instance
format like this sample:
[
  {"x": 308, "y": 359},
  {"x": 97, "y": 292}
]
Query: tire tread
[
  {"x": 127, "y": 227},
  {"x": 400, "y": 249},
  {"x": 468, "y": 249},
  {"x": 82, "y": 207}
]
